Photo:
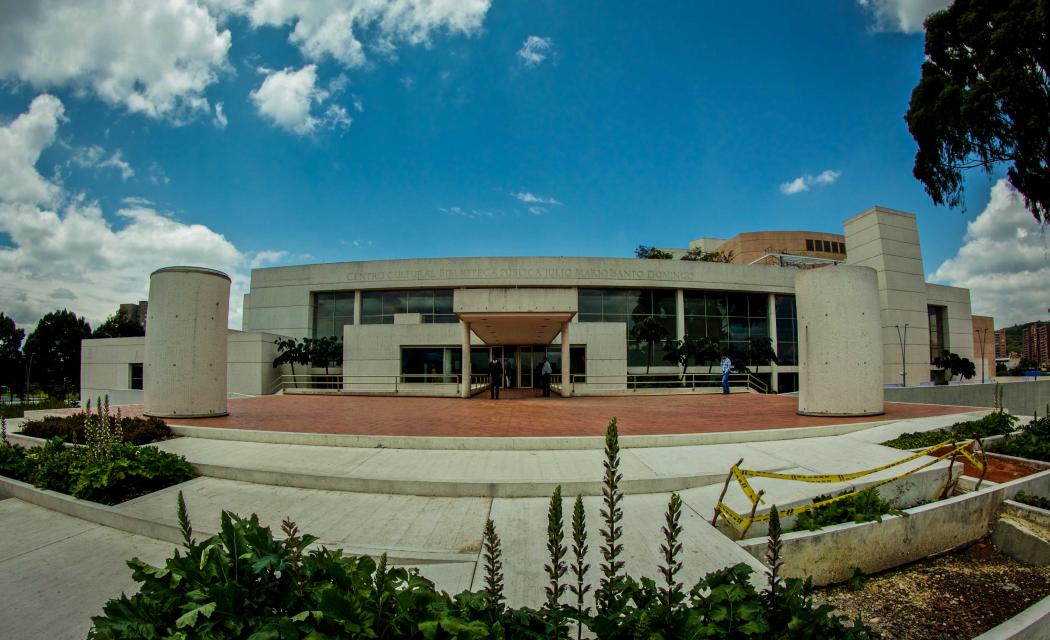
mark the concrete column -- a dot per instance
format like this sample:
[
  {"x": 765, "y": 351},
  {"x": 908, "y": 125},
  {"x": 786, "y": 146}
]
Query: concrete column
[
  {"x": 679, "y": 321},
  {"x": 465, "y": 369},
  {"x": 566, "y": 369},
  {"x": 357, "y": 307},
  {"x": 185, "y": 353},
  {"x": 774, "y": 370},
  {"x": 840, "y": 366}
]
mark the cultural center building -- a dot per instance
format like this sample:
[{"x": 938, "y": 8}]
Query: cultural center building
[{"x": 431, "y": 326}]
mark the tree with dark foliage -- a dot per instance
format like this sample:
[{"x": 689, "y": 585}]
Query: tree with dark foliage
[
  {"x": 984, "y": 99},
  {"x": 54, "y": 347}
]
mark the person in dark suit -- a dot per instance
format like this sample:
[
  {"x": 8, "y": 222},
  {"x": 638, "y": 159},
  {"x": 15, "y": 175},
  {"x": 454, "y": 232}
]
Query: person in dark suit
[{"x": 495, "y": 378}]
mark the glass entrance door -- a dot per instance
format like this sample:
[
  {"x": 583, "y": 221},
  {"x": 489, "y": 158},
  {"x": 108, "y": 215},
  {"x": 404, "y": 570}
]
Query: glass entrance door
[{"x": 509, "y": 359}]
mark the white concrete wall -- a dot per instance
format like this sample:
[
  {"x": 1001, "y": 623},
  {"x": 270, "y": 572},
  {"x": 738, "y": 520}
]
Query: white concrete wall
[
  {"x": 888, "y": 241},
  {"x": 249, "y": 369},
  {"x": 105, "y": 369},
  {"x": 958, "y": 318},
  {"x": 105, "y": 364},
  {"x": 514, "y": 300},
  {"x": 840, "y": 366}
]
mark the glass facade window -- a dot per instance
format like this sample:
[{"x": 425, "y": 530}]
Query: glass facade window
[
  {"x": 809, "y": 244},
  {"x": 331, "y": 312},
  {"x": 135, "y": 375},
  {"x": 787, "y": 331},
  {"x": 435, "y": 305},
  {"x": 938, "y": 331},
  {"x": 630, "y": 306},
  {"x": 725, "y": 316},
  {"x": 435, "y": 364}
]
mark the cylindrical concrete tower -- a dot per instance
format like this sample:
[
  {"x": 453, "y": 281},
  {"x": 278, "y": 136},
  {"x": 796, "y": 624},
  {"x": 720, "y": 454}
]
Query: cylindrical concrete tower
[
  {"x": 185, "y": 369},
  {"x": 839, "y": 342}
]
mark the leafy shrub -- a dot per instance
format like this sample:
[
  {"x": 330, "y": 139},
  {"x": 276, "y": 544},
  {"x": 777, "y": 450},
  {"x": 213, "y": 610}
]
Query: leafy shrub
[
  {"x": 12, "y": 461},
  {"x": 243, "y": 583},
  {"x": 1033, "y": 443},
  {"x": 71, "y": 429},
  {"x": 1034, "y": 501},
  {"x": 994, "y": 424},
  {"x": 865, "y": 506},
  {"x": 126, "y": 472}
]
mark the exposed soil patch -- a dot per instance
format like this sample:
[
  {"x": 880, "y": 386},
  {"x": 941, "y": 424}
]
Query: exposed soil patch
[
  {"x": 960, "y": 595},
  {"x": 1000, "y": 469}
]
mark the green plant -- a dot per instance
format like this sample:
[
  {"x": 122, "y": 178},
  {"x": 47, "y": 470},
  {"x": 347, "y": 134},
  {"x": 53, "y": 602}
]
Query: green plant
[
  {"x": 492, "y": 554},
  {"x": 671, "y": 550},
  {"x": 1034, "y": 501},
  {"x": 608, "y": 597},
  {"x": 125, "y": 472},
  {"x": 995, "y": 423},
  {"x": 651, "y": 253},
  {"x": 71, "y": 428},
  {"x": 864, "y": 506},
  {"x": 556, "y": 568},
  {"x": 857, "y": 580},
  {"x": 579, "y": 567},
  {"x": 1033, "y": 442}
]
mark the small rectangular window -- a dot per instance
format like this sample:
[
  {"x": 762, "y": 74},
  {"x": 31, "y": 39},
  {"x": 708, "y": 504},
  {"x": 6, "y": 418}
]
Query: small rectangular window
[
  {"x": 809, "y": 244},
  {"x": 135, "y": 375},
  {"x": 827, "y": 246}
]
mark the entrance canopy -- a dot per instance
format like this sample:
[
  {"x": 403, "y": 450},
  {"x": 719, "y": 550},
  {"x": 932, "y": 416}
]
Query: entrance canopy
[
  {"x": 514, "y": 316},
  {"x": 516, "y": 328}
]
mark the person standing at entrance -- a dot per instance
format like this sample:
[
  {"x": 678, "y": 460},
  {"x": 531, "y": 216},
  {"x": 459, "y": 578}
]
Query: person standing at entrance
[
  {"x": 727, "y": 366},
  {"x": 546, "y": 372},
  {"x": 495, "y": 378}
]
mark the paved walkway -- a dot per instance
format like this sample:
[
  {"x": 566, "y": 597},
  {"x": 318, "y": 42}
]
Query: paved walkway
[
  {"x": 57, "y": 571},
  {"x": 481, "y": 417}
]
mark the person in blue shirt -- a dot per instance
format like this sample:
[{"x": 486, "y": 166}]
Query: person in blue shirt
[{"x": 727, "y": 366}]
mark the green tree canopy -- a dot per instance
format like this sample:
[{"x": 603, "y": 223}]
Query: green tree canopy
[
  {"x": 984, "y": 99},
  {"x": 54, "y": 349},
  {"x": 119, "y": 325},
  {"x": 651, "y": 253},
  {"x": 12, "y": 375}
]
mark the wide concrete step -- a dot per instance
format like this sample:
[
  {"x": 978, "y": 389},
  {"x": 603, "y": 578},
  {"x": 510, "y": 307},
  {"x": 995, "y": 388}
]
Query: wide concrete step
[{"x": 442, "y": 473}]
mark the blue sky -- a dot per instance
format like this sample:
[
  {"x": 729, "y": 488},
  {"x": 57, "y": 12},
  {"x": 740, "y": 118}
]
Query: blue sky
[{"x": 263, "y": 134}]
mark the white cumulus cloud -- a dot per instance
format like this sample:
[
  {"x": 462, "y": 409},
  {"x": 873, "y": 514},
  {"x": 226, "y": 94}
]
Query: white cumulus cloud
[
  {"x": 535, "y": 50},
  {"x": 532, "y": 198},
  {"x": 1004, "y": 261},
  {"x": 807, "y": 182},
  {"x": 288, "y": 97},
  {"x": 905, "y": 16},
  {"x": 335, "y": 28},
  {"x": 20, "y": 145},
  {"x": 153, "y": 58},
  {"x": 62, "y": 248},
  {"x": 92, "y": 157}
]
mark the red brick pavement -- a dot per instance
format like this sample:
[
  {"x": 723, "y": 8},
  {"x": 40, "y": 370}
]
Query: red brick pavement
[{"x": 524, "y": 414}]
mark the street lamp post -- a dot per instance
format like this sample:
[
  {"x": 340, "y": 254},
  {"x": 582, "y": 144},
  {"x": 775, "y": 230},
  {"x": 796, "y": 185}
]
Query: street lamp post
[
  {"x": 982, "y": 335},
  {"x": 903, "y": 338},
  {"x": 29, "y": 368}
]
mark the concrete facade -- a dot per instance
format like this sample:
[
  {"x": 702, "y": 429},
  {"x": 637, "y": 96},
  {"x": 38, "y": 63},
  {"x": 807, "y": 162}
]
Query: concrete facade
[
  {"x": 185, "y": 352},
  {"x": 840, "y": 372},
  {"x": 530, "y": 302},
  {"x": 984, "y": 337}
]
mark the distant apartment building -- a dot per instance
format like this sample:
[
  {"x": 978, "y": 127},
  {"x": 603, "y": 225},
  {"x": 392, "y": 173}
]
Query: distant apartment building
[
  {"x": 136, "y": 311},
  {"x": 1035, "y": 342},
  {"x": 1000, "y": 344}
]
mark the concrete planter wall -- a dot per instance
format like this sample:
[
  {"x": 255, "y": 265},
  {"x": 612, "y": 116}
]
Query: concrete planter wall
[{"x": 831, "y": 554}]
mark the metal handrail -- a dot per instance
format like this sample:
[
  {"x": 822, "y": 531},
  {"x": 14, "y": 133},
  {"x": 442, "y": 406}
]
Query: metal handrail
[
  {"x": 690, "y": 380},
  {"x": 395, "y": 381}
]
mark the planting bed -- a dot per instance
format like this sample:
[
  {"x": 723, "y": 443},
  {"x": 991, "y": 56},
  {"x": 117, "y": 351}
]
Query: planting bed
[
  {"x": 1000, "y": 468},
  {"x": 960, "y": 595}
]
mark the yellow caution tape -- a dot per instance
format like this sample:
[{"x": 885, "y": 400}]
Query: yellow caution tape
[{"x": 743, "y": 523}]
